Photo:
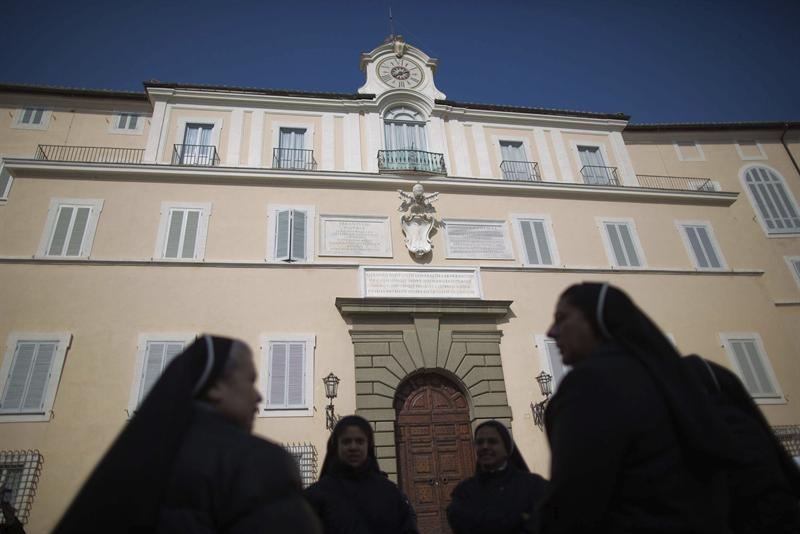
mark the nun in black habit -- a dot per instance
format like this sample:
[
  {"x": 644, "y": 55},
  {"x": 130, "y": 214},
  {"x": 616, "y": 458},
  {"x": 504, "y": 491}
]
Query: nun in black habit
[
  {"x": 502, "y": 495},
  {"x": 764, "y": 491},
  {"x": 187, "y": 461},
  {"x": 352, "y": 495},
  {"x": 635, "y": 444}
]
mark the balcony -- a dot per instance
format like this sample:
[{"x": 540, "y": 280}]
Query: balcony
[
  {"x": 675, "y": 183},
  {"x": 293, "y": 158},
  {"x": 195, "y": 155},
  {"x": 520, "y": 171},
  {"x": 599, "y": 175},
  {"x": 417, "y": 161},
  {"x": 89, "y": 154}
]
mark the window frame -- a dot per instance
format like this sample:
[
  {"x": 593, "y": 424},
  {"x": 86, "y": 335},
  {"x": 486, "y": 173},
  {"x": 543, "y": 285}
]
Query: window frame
[
  {"x": 115, "y": 118},
  {"x": 612, "y": 258},
  {"x": 388, "y": 117},
  {"x": 43, "y": 125},
  {"x": 311, "y": 222},
  {"x": 727, "y": 337},
  {"x": 63, "y": 342},
  {"x": 759, "y": 146},
  {"x": 793, "y": 262},
  {"x": 701, "y": 156},
  {"x": 546, "y": 219},
  {"x": 164, "y": 226},
  {"x": 96, "y": 206},
  {"x": 506, "y": 254},
  {"x": 310, "y": 342},
  {"x": 545, "y": 362},
  {"x": 771, "y": 234},
  {"x": 683, "y": 225},
  {"x": 4, "y": 191},
  {"x": 141, "y": 359}
]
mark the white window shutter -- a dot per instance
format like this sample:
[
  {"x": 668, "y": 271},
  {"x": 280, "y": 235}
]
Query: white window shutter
[
  {"x": 39, "y": 377},
  {"x": 60, "y": 231},
  {"x": 18, "y": 378},
  {"x": 779, "y": 213},
  {"x": 81, "y": 219},
  {"x": 556, "y": 365},
  {"x": 534, "y": 238},
  {"x": 282, "y": 234},
  {"x": 277, "y": 374},
  {"x": 174, "y": 233},
  {"x": 704, "y": 252},
  {"x": 298, "y": 242},
  {"x": 5, "y": 180},
  {"x": 295, "y": 379},
  {"x": 190, "y": 234},
  {"x": 158, "y": 354},
  {"x": 621, "y": 239},
  {"x": 754, "y": 373}
]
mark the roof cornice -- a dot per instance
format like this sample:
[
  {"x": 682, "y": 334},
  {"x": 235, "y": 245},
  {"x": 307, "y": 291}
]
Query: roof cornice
[{"x": 72, "y": 91}]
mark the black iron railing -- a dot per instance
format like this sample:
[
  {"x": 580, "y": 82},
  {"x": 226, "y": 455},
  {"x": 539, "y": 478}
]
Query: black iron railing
[
  {"x": 293, "y": 158},
  {"x": 411, "y": 161},
  {"x": 599, "y": 175},
  {"x": 677, "y": 183},
  {"x": 789, "y": 436},
  {"x": 521, "y": 171},
  {"x": 89, "y": 154},
  {"x": 199, "y": 155}
]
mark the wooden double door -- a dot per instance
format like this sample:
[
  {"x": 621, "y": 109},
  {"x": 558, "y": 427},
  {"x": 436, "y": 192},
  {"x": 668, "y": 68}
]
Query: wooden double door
[{"x": 434, "y": 446}]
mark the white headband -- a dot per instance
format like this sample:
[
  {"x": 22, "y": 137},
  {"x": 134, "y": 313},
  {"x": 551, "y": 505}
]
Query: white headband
[
  {"x": 601, "y": 303},
  {"x": 209, "y": 365}
]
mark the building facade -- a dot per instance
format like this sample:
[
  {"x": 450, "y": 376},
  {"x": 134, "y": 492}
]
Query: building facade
[{"x": 132, "y": 222}]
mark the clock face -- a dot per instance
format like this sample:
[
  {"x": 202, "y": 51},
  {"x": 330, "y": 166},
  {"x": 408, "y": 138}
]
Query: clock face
[{"x": 399, "y": 73}]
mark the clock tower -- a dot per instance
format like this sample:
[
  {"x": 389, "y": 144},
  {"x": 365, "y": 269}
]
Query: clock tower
[{"x": 396, "y": 66}]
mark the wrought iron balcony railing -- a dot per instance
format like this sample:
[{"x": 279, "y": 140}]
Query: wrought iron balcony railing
[
  {"x": 599, "y": 175},
  {"x": 411, "y": 161},
  {"x": 676, "y": 183},
  {"x": 198, "y": 155},
  {"x": 293, "y": 158},
  {"x": 520, "y": 171},
  {"x": 89, "y": 154}
]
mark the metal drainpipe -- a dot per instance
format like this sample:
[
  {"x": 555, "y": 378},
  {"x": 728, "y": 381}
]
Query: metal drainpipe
[{"x": 791, "y": 157}]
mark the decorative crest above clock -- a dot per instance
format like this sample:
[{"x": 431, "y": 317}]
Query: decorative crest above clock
[{"x": 397, "y": 65}]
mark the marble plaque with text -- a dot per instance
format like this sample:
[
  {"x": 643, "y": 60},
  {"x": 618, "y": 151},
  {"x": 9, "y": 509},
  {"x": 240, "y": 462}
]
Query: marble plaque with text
[
  {"x": 351, "y": 235},
  {"x": 477, "y": 240},
  {"x": 442, "y": 283}
]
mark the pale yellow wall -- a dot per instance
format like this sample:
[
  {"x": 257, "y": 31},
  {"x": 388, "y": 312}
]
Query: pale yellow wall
[
  {"x": 244, "y": 150},
  {"x": 338, "y": 128}
]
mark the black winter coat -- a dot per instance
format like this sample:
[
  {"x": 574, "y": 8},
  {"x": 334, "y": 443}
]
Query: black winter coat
[
  {"x": 362, "y": 502},
  {"x": 501, "y": 502},
  {"x": 617, "y": 465},
  {"x": 227, "y": 480}
]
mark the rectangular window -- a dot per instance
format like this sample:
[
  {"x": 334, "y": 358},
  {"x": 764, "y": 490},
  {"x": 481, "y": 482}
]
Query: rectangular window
[
  {"x": 535, "y": 235},
  {"x": 32, "y": 118},
  {"x": 305, "y": 454},
  {"x": 514, "y": 162},
  {"x": 701, "y": 245},
  {"x": 130, "y": 123},
  {"x": 182, "y": 231},
  {"x": 197, "y": 147},
  {"x": 5, "y": 181},
  {"x": 550, "y": 358},
  {"x": 794, "y": 266},
  {"x": 290, "y": 233},
  {"x": 19, "y": 472},
  {"x": 593, "y": 167},
  {"x": 288, "y": 384},
  {"x": 750, "y": 150},
  {"x": 477, "y": 239},
  {"x": 689, "y": 151},
  {"x": 70, "y": 228},
  {"x": 622, "y": 244},
  {"x": 291, "y": 153},
  {"x": 749, "y": 358},
  {"x": 772, "y": 199},
  {"x": 155, "y": 352},
  {"x": 29, "y": 375}
]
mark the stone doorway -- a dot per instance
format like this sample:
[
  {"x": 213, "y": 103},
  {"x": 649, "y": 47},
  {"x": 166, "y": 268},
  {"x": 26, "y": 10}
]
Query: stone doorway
[{"x": 434, "y": 446}]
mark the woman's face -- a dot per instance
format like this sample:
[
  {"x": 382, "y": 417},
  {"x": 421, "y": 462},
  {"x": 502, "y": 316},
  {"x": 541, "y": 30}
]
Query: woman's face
[
  {"x": 235, "y": 395},
  {"x": 489, "y": 448},
  {"x": 573, "y": 333},
  {"x": 352, "y": 446}
]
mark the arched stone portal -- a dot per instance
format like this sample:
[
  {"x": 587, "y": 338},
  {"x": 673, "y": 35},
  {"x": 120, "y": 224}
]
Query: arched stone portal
[{"x": 394, "y": 339}]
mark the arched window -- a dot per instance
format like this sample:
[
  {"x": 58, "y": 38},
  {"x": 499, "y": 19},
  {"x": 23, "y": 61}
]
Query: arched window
[
  {"x": 404, "y": 129},
  {"x": 772, "y": 200}
]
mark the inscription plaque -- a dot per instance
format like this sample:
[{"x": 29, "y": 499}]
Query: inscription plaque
[
  {"x": 477, "y": 239},
  {"x": 442, "y": 283},
  {"x": 351, "y": 235}
]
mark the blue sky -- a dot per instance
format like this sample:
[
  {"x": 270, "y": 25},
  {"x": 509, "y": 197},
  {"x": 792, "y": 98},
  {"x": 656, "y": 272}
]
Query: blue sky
[{"x": 656, "y": 60}]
